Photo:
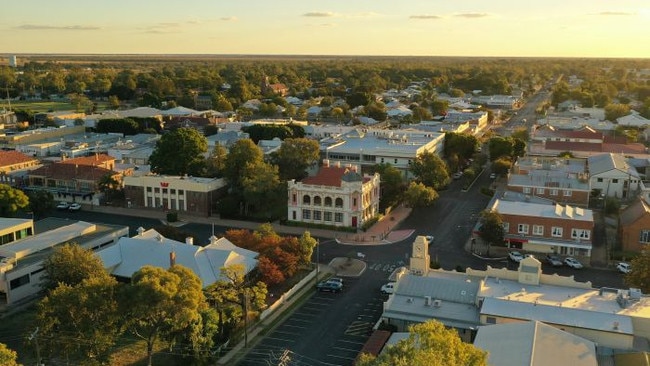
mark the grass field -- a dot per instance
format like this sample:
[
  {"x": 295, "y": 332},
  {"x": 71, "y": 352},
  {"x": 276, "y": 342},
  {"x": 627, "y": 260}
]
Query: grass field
[{"x": 47, "y": 106}]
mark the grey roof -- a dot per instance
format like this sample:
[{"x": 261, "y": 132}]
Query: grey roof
[
  {"x": 605, "y": 162},
  {"x": 534, "y": 343},
  {"x": 447, "y": 289},
  {"x": 569, "y": 317}
]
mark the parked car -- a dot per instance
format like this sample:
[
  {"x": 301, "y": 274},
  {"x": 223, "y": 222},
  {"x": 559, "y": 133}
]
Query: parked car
[
  {"x": 335, "y": 280},
  {"x": 515, "y": 256},
  {"x": 457, "y": 175},
  {"x": 62, "y": 206},
  {"x": 624, "y": 267},
  {"x": 493, "y": 175},
  {"x": 429, "y": 238},
  {"x": 74, "y": 207},
  {"x": 573, "y": 263},
  {"x": 554, "y": 260},
  {"x": 388, "y": 288},
  {"x": 330, "y": 286}
]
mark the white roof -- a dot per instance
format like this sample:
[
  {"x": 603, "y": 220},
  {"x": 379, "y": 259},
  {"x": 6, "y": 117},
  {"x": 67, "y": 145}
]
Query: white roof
[
  {"x": 36, "y": 243},
  {"x": 151, "y": 248},
  {"x": 556, "y": 211},
  {"x": 534, "y": 343},
  {"x": 180, "y": 111}
]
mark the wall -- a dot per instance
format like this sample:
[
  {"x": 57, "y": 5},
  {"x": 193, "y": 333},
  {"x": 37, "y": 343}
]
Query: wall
[{"x": 279, "y": 302}]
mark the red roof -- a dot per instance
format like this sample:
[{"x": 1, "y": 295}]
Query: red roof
[
  {"x": 573, "y": 146},
  {"x": 376, "y": 342},
  {"x": 12, "y": 157},
  {"x": 327, "y": 176},
  {"x": 68, "y": 171},
  {"x": 92, "y": 160}
]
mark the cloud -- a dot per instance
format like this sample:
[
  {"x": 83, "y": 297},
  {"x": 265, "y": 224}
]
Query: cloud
[
  {"x": 319, "y": 14},
  {"x": 57, "y": 27},
  {"x": 471, "y": 15},
  {"x": 425, "y": 16},
  {"x": 229, "y": 19},
  {"x": 615, "y": 13},
  {"x": 328, "y": 25}
]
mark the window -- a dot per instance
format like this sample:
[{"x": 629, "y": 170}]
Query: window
[
  {"x": 567, "y": 193},
  {"x": 317, "y": 215},
  {"x": 506, "y": 227},
  {"x": 338, "y": 217},
  {"x": 395, "y": 161},
  {"x": 317, "y": 201},
  {"x": 327, "y": 215},
  {"x": 17, "y": 282},
  {"x": 354, "y": 202},
  {"x": 306, "y": 200},
  {"x": 538, "y": 230},
  {"x": 149, "y": 189},
  {"x": 599, "y": 180},
  {"x": 172, "y": 191},
  {"x": 338, "y": 203},
  {"x": 293, "y": 198},
  {"x": 164, "y": 190},
  {"x": 553, "y": 192},
  {"x": 328, "y": 201},
  {"x": 382, "y": 160},
  {"x": 180, "y": 191},
  {"x": 293, "y": 214},
  {"x": 156, "y": 190},
  {"x": 306, "y": 214},
  {"x": 526, "y": 189},
  {"x": 540, "y": 190},
  {"x": 580, "y": 234},
  {"x": 644, "y": 237},
  {"x": 491, "y": 320},
  {"x": 522, "y": 228},
  {"x": 556, "y": 231},
  {"x": 614, "y": 181}
]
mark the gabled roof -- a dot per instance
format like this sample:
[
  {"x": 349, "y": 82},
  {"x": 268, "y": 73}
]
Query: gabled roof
[
  {"x": 180, "y": 111},
  {"x": 93, "y": 160},
  {"x": 634, "y": 212},
  {"x": 328, "y": 176},
  {"x": 13, "y": 157},
  {"x": 70, "y": 171},
  {"x": 534, "y": 343},
  {"x": 606, "y": 162}
]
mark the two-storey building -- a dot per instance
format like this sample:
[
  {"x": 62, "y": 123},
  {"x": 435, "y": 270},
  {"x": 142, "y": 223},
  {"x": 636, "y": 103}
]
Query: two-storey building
[{"x": 337, "y": 195}]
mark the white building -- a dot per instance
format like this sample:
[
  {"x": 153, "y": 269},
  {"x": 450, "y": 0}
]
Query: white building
[
  {"x": 338, "y": 195},
  {"x": 613, "y": 176}
]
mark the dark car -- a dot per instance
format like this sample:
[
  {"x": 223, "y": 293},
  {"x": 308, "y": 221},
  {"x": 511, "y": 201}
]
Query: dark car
[
  {"x": 554, "y": 260},
  {"x": 330, "y": 286}
]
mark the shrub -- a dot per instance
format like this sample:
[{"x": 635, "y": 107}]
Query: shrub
[{"x": 172, "y": 216}]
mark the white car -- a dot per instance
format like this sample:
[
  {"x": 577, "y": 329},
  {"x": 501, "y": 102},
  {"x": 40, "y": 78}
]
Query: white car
[
  {"x": 74, "y": 207},
  {"x": 388, "y": 288},
  {"x": 573, "y": 263},
  {"x": 457, "y": 175},
  {"x": 515, "y": 256},
  {"x": 624, "y": 267},
  {"x": 62, "y": 206}
]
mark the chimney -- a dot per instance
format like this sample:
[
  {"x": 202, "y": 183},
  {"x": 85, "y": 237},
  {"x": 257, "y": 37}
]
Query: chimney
[
  {"x": 354, "y": 168},
  {"x": 140, "y": 231},
  {"x": 326, "y": 163},
  {"x": 172, "y": 258},
  {"x": 337, "y": 164},
  {"x": 189, "y": 240},
  {"x": 213, "y": 239}
]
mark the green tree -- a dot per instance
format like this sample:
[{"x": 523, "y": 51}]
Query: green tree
[
  {"x": 81, "y": 322},
  {"x": 430, "y": 170},
  {"x": 500, "y": 147},
  {"x": 639, "y": 277},
  {"x": 70, "y": 264},
  {"x": 614, "y": 111},
  {"x": 518, "y": 147},
  {"x": 501, "y": 166},
  {"x": 461, "y": 144},
  {"x": 307, "y": 244},
  {"x": 113, "y": 102},
  {"x": 8, "y": 357},
  {"x": 179, "y": 152},
  {"x": 109, "y": 186},
  {"x": 242, "y": 152},
  {"x": 294, "y": 156},
  {"x": 216, "y": 162},
  {"x": 40, "y": 202},
  {"x": 11, "y": 200},
  {"x": 491, "y": 228},
  {"x": 521, "y": 133},
  {"x": 262, "y": 189},
  {"x": 428, "y": 344},
  {"x": 162, "y": 303},
  {"x": 419, "y": 195},
  {"x": 392, "y": 184}
]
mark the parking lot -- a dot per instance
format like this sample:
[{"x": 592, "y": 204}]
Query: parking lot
[{"x": 327, "y": 329}]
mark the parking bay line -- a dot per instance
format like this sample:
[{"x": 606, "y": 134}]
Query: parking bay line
[
  {"x": 337, "y": 356},
  {"x": 352, "y": 342}
]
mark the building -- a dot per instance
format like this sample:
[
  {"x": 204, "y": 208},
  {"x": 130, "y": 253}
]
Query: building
[
  {"x": 541, "y": 228},
  {"x": 560, "y": 180},
  {"x": 13, "y": 166},
  {"x": 12, "y": 141},
  {"x": 612, "y": 176},
  {"x": 337, "y": 195},
  {"x": 277, "y": 88},
  {"x": 13, "y": 61},
  {"x": 150, "y": 248},
  {"x": 192, "y": 195},
  {"x": 634, "y": 227},
  {"x": 21, "y": 261},
  {"x": 613, "y": 319}
]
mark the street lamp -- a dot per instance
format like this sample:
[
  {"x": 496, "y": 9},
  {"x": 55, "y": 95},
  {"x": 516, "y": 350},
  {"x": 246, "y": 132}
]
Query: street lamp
[{"x": 317, "y": 257}]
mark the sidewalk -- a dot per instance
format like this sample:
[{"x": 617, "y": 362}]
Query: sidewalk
[{"x": 380, "y": 233}]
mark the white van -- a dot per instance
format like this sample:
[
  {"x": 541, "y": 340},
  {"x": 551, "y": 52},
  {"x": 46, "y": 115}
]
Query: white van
[{"x": 388, "y": 288}]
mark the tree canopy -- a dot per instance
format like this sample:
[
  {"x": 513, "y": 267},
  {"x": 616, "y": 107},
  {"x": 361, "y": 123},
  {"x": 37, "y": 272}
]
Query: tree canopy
[
  {"x": 294, "y": 157},
  {"x": 180, "y": 152},
  {"x": 491, "y": 230},
  {"x": 419, "y": 195},
  {"x": 428, "y": 344},
  {"x": 430, "y": 170},
  {"x": 70, "y": 264},
  {"x": 639, "y": 277},
  {"x": 11, "y": 200},
  {"x": 8, "y": 356}
]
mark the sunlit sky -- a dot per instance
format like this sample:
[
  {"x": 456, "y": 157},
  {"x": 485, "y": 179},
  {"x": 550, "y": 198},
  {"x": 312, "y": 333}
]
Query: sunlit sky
[{"x": 566, "y": 28}]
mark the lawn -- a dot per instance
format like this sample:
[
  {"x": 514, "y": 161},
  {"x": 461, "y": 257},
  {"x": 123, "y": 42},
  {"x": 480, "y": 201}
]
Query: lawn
[{"x": 49, "y": 106}]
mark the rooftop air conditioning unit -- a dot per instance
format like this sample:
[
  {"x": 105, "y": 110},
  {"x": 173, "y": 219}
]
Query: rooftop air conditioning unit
[
  {"x": 437, "y": 303},
  {"x": 427, "y": 301}
]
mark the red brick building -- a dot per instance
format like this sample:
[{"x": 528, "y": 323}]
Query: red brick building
[{"x": 634, "y": 227}]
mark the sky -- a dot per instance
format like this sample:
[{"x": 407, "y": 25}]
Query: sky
[{"x": 501, "y": 28}]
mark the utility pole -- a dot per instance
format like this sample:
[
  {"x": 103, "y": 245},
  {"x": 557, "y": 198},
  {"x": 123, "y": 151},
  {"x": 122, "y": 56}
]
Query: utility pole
[{"x": 34, "y": 337}]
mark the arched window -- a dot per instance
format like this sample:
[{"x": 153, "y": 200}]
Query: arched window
[
  {"x": 306, "y": 200},
  {"x": 338, "y": 203},
  {"x": 317, "y": 201},
  {"x": 328, "y": 201}
]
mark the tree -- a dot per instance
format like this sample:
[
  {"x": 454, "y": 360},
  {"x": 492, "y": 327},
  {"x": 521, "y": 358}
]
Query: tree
[
  {"x": 40, "y": 202},
  {"x": 307, "y": 245},
  {"x": 294, "y": 156},
  {"x": 11, "y": 200},
  {"x": 518, "y": 147},
  {"x": 614, "y": 111},
  {"x": 113, "y": 102},
  {"x": 639, "y": 277},
  {"x": 461, "y": 144},
  {"x": 241, "y": 152},
  {"x": 392, "y": 184},
  {"x": 179, "y": 152},
  {"x": 430, "y": 170},
  {"x": 261, "y": 186},
  {"x": 430, "y": 344},
  {"x": 521, "y": 134},
  {"x": 81, "y": 321},
  {"x": 162, "y": 302},
  {"x": 108, "y": 185},
  {"x": 216, "y": 162},
  {"x": 8, "y": 356},
  {"x": 491, "y": 230},
  {"x": 501, "y": 166},
  {"x": 419, "y": 195},
  {"x": 70, "y": 264},
  {"x": 500, "y": 147}
]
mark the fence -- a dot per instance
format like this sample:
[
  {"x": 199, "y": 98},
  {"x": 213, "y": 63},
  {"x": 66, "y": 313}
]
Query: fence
[{"x": 305, "y": 281}]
